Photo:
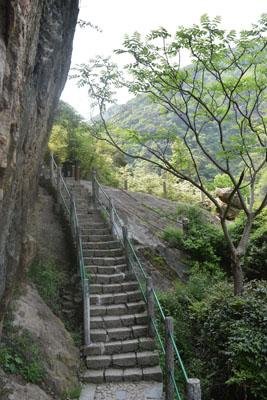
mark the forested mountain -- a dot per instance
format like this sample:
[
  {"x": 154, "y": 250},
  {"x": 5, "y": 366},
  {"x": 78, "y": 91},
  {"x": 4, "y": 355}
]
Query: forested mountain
[{"x": 141, "y": 114}]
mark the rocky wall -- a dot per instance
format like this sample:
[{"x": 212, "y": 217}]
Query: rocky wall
[{"x": 35, "y": 52}]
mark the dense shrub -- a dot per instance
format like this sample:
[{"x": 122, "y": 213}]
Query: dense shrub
[
  {"x": 255, "y": 261},
  {"x": 203, "y": 240},
  {"x": 221, "y": 337},
  {"x": 230, "y": 335}
]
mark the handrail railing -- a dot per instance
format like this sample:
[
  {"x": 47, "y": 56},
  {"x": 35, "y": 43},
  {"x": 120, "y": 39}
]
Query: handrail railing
[
  {"x": 66, "y": 200},
  {"x": 170, "y": 350}
]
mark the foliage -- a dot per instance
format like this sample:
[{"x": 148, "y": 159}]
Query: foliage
[
  {"x": 222, "y": 181},
  {"x": 19, "y": 354},
  {"x": 142, "y": 177},
  {"x": 202, "y": 239},
  {"x": 49, "y": 281},
  {"x": 221, "y": 94},
  {"x": 71, "y": 140},
  {"x": 232, "y": 334},
  {"x": 72, "y": 394},
  {"x": 173, "y": 236},
  {"x": 254, "y": 262},
  {"x": 221, "y": 336}
]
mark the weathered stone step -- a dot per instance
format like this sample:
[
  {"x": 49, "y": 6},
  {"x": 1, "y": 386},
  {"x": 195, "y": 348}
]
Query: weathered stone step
[
  {"x": 103, "y": 253},
  {"x": 106, "y": 288},
  {"x": 104, "y": 260},
  {"x": 87, "y": 228},
  {"x": 122, "y": 375},
  {"x": 120, "y": 333},
  {"x": 118, "y": 277},
  {"x": 116, "y": 298},
  {"x": 93, "y": 224},
  {"x": 120, "y": 360},
  {"x": 106, "y": 270},
  {"x": 118, "y": 309},
  {"x": 96, "y": 238},
  {"x": 120, "y": 346},
  {"x": 113, "y": 244},
  {"x": 115, "y": 321}
]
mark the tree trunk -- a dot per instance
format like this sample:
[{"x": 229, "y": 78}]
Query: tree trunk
[{"x": 237, "y": 274}]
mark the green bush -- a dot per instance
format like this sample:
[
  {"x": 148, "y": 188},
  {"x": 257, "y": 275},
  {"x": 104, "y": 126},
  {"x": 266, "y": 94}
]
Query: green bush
[
  {"x": 254, "y": 263},
  {"x": 20, "y": 355},
  {"x": 203, "y": 240},
  {"x": 221, "y": 337},
  {"x": 173, "y": 236},
  {"x": 230, "y": 335},
  {"x": 49, "y": 281}
]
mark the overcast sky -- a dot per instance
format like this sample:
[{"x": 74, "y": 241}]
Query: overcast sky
[{"x": 118, "y": 17}]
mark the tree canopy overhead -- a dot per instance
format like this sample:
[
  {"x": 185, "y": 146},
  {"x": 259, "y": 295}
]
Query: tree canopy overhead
[{"x": 222, "y": 93}]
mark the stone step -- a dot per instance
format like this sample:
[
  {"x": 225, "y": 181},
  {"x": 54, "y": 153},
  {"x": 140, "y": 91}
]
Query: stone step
[
  {"x": 96, "y": 238},
  {"x": 103, "y": 253},
  {"x": 116, "y": 298},
  {"x": 120, "y": 360},
  {"x": 86, "y": 228},
  {"x": 103, "y": 279},
  {"x": 92, "y": 224},
  {"x": 122, "y": 375},
  {"x": 118, "y": 309},
  {"x": 120, "y": 333},
  {"x": 115, "y": 321},
  {"x": 120, "y": 346},
  {"x": 106, "y": 270},
  {"x": 104, "y": 260},
  {"x": 110, "y": 288},
  {"x": 113, "y": 244}
]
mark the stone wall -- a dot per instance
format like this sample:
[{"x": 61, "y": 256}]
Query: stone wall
[{"x": 35, "y": 51}]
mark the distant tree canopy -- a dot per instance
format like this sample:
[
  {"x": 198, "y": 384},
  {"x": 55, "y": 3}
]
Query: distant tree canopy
[
  {"x": 219, "y": 100},
  {"x": 71, "y": 140}
]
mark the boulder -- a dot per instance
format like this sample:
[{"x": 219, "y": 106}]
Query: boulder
[{"x": 224, "y": 195}]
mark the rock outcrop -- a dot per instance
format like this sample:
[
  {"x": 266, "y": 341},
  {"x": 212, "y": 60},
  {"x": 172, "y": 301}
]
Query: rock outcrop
[
  {"x": 60, "y": 356},
  {"x": 35, "y": 51}
]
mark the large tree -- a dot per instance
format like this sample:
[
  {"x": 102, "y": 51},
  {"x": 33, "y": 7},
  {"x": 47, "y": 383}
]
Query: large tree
[{"x": 223, "y": 91}]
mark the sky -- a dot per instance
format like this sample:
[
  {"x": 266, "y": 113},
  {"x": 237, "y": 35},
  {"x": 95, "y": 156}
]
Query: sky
[{"x": 119, "y": 17}]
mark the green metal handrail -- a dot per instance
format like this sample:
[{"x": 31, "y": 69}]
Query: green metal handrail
[
  {"x": 69, "y": 205},
  {"x": 134, "y": 260}
]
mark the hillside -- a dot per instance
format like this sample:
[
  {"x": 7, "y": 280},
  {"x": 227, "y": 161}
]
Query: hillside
[{"x": 147, "y": 217}]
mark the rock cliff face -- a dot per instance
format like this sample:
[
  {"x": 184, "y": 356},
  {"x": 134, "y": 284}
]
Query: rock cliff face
[{"x": 35, "y": 50}]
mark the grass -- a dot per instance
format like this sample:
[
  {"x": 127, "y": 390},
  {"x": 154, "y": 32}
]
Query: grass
[
  {"x": 49, "y": 280},
  {"x": 19, "y": 354},
  {"x": 72, "y": 394}
]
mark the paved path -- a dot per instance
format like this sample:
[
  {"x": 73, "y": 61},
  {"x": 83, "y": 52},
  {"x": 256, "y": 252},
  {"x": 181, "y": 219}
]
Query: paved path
[{"x": 123, "y": 391}]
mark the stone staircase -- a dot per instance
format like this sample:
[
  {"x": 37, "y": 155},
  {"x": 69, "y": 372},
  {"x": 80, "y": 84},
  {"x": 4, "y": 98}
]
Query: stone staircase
[{"x": 121, "y": 349}]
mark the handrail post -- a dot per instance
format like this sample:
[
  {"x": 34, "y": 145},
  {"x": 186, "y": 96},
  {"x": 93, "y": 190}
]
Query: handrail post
[
  {"x": 58, "y": 185},
  {"x": 86, "y": 312},
  {"x": 169, "y": 358},
  {"x": 52, "y": 168},
  {"x": 150, "y": 305},
  {"x": 111, "y": 215},
  {"x": 72, "y": 228},
  {"x": 193, "y": 389},
  {"x": 78, "y": 248},
  {"x": 164, "y": 186},
  {"x": 95, "y": 189},
  {"x": 125, "y": 243}
]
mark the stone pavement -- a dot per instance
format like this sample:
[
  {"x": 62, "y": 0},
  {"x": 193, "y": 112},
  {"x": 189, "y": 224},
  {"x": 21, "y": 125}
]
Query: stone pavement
[{"x": 123, "y": 391}]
